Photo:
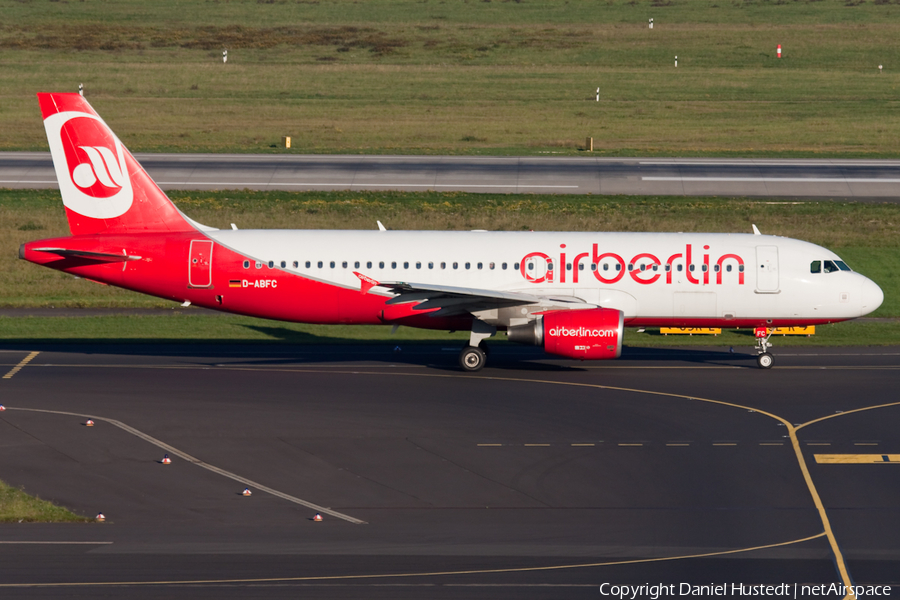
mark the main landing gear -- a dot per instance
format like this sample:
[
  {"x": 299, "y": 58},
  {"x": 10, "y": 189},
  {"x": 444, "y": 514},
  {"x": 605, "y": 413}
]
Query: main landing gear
[
  {"x": 473, "y": 356},
  {"x": 763, "y": 358}
]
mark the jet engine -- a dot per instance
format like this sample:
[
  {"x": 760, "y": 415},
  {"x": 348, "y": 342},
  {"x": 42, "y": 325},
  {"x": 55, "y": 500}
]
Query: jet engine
[{"x": 593, "y": 334}]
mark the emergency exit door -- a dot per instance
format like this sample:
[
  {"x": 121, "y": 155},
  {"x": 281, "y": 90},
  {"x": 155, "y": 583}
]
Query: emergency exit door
[
  {"x": 767, "y": 268},
  {"x": 200, "y": 264}
]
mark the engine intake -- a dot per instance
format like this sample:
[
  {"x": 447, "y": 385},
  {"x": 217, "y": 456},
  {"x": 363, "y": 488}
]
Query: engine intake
[{"x": 593, "y": 334}]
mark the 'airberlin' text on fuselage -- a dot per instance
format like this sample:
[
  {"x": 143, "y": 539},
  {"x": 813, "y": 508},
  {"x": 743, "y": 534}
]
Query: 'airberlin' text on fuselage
[
  {"x": 582, "y": 332},
  {"x": 644, "y": 268}
]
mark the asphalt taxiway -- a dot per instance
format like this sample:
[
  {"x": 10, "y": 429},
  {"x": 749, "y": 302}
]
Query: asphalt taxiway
[
  {"x": 877, "y": 180},
  {"x": 535, "y": 478}
]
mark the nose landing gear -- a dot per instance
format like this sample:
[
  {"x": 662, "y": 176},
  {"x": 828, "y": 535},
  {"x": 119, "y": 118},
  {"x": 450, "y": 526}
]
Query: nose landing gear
[{"x": 764, "y": 359}]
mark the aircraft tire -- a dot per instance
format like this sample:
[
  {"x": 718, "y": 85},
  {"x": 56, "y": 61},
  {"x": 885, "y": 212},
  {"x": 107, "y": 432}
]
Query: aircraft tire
[
  {"x": 471, "y": 359},
  {"x": 765, "y": 360}
]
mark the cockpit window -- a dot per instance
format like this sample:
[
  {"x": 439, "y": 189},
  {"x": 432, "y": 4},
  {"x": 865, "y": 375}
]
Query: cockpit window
[
  {"x": 815, "y": 266},
  {"x": 830, "y": 267},
  {"x": 842, "y": 265}
]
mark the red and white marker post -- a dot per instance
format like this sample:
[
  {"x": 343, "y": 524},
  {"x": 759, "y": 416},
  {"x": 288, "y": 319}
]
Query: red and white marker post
[{"x": 779, "y": 50}]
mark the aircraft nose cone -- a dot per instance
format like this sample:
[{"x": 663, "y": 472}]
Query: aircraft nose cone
[{"x": 871, "y": 297}]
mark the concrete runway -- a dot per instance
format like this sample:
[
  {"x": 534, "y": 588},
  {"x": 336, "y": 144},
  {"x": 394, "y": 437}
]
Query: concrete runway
[
  {"x": 535, "y": 478},
  {"x": 877, "y": 180}
]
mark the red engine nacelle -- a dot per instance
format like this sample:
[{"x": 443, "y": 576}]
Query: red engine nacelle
[{"x": 593, "y": 334}]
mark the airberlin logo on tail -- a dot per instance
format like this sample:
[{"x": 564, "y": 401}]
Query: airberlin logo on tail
[
  {"x": 90, "y": 165},
  {"x": 103, "y": 168},
  {"x": 581, "y": 332}
]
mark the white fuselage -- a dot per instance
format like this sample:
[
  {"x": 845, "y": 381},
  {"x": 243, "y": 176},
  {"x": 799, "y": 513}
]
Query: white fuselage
[{"x": 654, "y": 278}]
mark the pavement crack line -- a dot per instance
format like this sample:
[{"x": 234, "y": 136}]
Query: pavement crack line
[
  {"x": 204, "y": 465},
  {"x": 477, "y": 474}
]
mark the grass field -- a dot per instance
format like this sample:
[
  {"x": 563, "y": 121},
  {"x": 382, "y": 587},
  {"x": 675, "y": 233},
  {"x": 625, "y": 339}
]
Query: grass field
[
  {"x": 18, "y": 507},
  {"x": 866, "y": 235},
  {"x": 419, "y": 76}
]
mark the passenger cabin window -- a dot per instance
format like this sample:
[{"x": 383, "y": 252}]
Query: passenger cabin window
[
  {"x": 503, "y": 266},
  {"x": 308, "y": 264},
  {"x": 369, "y": 265},
  {"x": 331, "y": 264},
  {"x": 356, "y": 265},
  {"x": 418, "y": 265},
  {"x": 283, "y": 264},
  {"x": 405, "y": 265},
  {"x": 455, "y": 265},
  {"x": 344, "y": 264},
  {"x": 815, "y": 266},
  {"x": 680, "y": 268},
  {"x": 246, "y": 264},
  {"x": 431, "y": 265},
  {"x": 381, "y": 264},
  {"x": 393, "y": 265},
  {"x": 271, "y": 264},
  {"x": 296, "y": 264},
  {"x": 516, "y": 266},
  {"x": 320, "y": 264}
]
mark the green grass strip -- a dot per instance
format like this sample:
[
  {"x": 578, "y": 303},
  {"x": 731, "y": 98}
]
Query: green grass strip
[{"x": 18, "y": 507}]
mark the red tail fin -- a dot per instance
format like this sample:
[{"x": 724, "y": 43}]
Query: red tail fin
[{"x": 103, "y": 187}]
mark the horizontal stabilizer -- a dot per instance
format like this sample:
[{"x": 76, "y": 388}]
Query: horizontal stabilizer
[{"x": 98, "y": 256}]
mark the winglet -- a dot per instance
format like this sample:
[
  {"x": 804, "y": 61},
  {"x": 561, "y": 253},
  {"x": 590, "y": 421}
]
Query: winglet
[
  {"x": 756, "y": 230},
  {"x": 365, "y": 283},
  {"x": 381, "y": 226}
]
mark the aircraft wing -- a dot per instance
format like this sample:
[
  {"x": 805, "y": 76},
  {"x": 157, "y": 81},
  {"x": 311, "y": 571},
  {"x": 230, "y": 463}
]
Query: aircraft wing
[{"x": 450, "y": 300}]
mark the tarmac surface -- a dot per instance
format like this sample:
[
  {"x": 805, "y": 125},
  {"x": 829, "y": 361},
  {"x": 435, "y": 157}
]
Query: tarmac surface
[
  {"x": 535, "y": 478},
  {"x": 875, "y": 180}
]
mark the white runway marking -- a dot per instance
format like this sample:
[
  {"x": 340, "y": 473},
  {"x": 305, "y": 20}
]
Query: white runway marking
[
  {"x": 24, "y": 181},
  {"x": 397, "y": 185},
  {"x": 771, "y": 163},
  {"x": 58, "y": 543},
  {"x": 775, "y": 179}
]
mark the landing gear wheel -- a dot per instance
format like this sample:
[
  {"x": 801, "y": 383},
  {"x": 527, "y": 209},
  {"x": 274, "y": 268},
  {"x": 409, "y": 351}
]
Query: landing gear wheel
[
  {"x": 765, "y": 360},
  {"x": 471, "y": 359}
]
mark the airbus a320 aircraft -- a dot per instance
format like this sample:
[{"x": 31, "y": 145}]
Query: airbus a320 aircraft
[{"x": 571, "y": 293}]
